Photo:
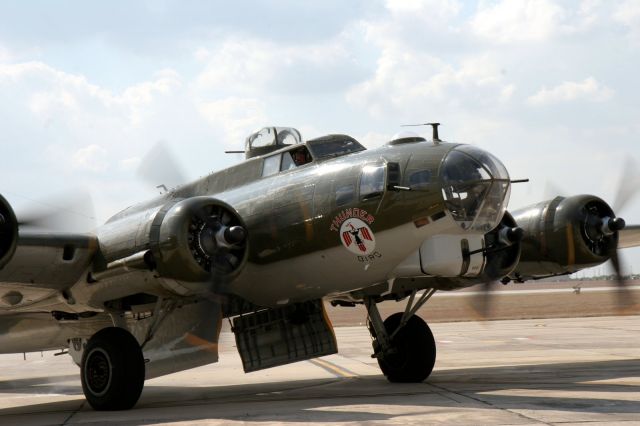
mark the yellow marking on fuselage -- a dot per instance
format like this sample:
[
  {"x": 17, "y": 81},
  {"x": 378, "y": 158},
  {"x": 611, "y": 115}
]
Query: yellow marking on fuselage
[{"x": 571, "y": 248}]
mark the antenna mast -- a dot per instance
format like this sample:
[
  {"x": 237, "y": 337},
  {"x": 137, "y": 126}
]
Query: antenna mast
[{"x": 434, "y": 126}]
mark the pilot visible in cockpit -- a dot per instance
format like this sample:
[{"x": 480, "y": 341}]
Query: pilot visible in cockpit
[{"x": 300, "y": 157}]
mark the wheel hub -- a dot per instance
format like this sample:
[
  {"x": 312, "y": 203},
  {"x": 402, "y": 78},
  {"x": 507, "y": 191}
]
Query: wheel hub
[{"x": 98, "y": 372}]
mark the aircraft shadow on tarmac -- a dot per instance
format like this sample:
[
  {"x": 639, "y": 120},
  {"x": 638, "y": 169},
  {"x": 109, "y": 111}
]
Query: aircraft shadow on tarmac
[{"x": 307, "y": 400}]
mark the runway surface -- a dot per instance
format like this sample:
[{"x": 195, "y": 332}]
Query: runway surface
[{"x": 514, "y": 372}]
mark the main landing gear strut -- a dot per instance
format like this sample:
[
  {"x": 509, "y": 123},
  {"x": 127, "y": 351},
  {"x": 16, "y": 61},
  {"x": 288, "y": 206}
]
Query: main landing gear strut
[{"x": 403, "y": 343}]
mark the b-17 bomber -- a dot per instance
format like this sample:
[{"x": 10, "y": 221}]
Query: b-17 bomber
[{"x": 265, "y": 243}]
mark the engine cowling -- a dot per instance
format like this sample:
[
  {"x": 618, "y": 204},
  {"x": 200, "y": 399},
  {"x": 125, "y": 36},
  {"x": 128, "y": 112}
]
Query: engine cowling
[
  {"x": 8, "y": 232},
  {"x": 564, "y": 235},
  {"x": 199, "y": 239}
]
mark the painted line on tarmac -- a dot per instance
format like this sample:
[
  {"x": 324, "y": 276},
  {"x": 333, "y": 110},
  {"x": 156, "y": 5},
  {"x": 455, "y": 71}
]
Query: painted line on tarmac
[
  {"x": 454, "y": 293},
  {"x": 332, "y": 368}
]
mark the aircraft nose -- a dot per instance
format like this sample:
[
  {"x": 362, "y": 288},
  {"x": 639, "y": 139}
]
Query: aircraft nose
[{"x": 475, "y": 187}]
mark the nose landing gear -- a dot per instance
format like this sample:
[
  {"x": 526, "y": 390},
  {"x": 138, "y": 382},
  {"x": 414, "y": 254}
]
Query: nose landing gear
[{"x": 403, "y": 344}]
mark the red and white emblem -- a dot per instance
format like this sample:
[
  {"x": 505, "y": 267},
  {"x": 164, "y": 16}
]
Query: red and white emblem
[{"x": 357, "y": 237}]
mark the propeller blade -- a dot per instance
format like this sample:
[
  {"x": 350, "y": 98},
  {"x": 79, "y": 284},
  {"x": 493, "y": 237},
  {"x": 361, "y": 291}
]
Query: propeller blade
[
  {"x": 551, "y": 191},
  {"x": 482, "y": 303},
  {"x": 629, "y": 185},
  {"x": 159, "y": 167},
  {"x": 623, "y": 295},
  {"x": 65, "y": 212}
]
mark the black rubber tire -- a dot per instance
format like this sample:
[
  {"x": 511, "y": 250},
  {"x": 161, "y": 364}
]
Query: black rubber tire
[
  {"x": 414, "y": 352},
  {"x": 112, "y": 370}
]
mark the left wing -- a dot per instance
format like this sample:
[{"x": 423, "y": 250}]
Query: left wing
[{"x": 43, "y": 265}]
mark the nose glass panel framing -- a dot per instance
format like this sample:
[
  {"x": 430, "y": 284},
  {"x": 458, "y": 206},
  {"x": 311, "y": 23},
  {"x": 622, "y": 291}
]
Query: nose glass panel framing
[{"x": 475, "y": 187}]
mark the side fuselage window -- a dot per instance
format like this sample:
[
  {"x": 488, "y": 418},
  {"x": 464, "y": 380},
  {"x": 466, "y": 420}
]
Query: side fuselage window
[
  {"x": 372, "y": 181},
  {"x": 271, "y": 165},
  {"x": 419, "y": 180},
  {"x": 345, "y": 194}
]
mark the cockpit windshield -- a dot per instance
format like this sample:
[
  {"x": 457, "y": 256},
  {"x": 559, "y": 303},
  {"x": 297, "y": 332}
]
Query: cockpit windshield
[
  {"x": 476, "y": 187},
  {"x": 333, "y": 146}
]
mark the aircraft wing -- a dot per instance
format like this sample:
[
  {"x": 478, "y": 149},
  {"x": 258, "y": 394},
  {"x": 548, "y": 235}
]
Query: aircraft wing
[
  {"x": 46, "y": 261},
  {"x": 629, "y": 237}
]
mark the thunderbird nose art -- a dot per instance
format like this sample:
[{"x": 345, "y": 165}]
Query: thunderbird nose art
[{"x": 475, "y": 187}]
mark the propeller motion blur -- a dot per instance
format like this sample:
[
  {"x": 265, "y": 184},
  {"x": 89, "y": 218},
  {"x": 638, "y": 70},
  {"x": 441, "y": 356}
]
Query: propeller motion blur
[{"x": 264, "y": 242}]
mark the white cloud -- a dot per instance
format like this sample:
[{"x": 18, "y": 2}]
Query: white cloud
[
  {"x": 406, "y": 80},
  {"x": 91, "y": 158},
  {"x": 201, "y": 54},
  {"x": 587, "y": 90},
  {"x": 241, "y": 66},
  {"x": 517, "y": 20},
  {"x": 434, "y": 10},
  {"x": 5, "y": 55},
  {"x": 51, "y": 93},
  {"x": 627, "y": 12},
  {"x": 374, "y": 139},
  {"x": 130, "y": 164},
  {"x": 238, "y": 117}
]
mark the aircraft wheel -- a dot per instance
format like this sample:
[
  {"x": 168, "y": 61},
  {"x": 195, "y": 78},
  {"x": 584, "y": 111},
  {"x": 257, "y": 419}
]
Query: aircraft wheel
[
  {"x": 414, "y": 351},
  {"x": 112, "y": 370}
]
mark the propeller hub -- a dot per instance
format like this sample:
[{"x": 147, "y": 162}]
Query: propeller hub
[
  {"x": 611, "y": 225},
  {"x": 515, "y": 234},
  {"x": 511, "y": 235},
  {"x": 617, "y": 224},
  {"x": 235, "y": 234}
]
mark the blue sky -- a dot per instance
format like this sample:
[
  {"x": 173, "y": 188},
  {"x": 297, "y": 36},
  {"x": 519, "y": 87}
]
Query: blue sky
[{"x": 87, "y": 88}]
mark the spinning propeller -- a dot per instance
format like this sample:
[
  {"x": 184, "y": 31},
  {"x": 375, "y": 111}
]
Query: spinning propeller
[
  {"x": 600, "y": 230},
  {"x": 70, "y": 212}
]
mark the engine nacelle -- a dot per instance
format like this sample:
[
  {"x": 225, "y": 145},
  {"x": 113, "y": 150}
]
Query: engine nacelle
[
  {"x": 199, "y": 239},
  {"x": 564, "y": 235},
  {"x": 8, "y": 232}
]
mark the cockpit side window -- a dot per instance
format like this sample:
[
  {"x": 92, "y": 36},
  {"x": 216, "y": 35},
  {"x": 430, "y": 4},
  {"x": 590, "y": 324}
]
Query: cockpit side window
[
  {"x": 334, "y": 146},
  {"x": 271, "y": 165},
  {"x": 287, "y": 161},
  {"x": 301, "y": 156},
  {"x": 295, "y": 158}
]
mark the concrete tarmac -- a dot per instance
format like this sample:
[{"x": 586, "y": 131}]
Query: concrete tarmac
[{"x": 574, "y": 371}]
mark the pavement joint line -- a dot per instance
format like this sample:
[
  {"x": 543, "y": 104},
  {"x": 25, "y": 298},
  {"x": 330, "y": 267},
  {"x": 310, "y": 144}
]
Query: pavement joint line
[
  {"x": 523, "y": 292},
  {"x": 73, "y": 413},
  {"x": 482, "y": 401}
]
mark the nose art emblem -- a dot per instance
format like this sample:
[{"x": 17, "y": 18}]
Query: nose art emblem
[{"x": 357, "y": 237}]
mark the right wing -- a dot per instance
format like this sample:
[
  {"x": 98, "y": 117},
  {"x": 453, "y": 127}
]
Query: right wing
[{"x": 629, "y": 237}]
